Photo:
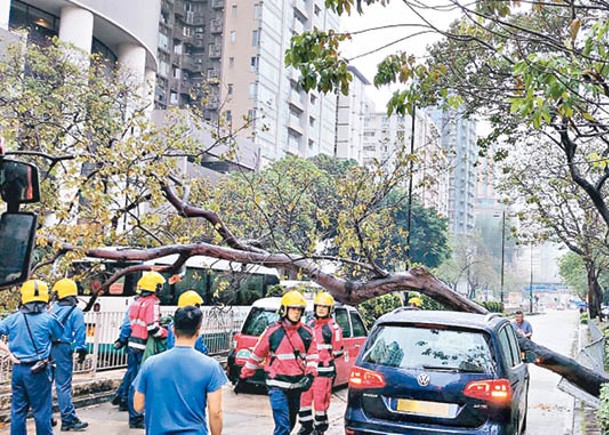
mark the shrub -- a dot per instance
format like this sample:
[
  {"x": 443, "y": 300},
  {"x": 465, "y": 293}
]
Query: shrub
[
  {"x": 583, "y": 318},
  {"x": 602, "y": 413},
  {"x": 492, "y": 306},
  {"x": 374, "y": 308}
]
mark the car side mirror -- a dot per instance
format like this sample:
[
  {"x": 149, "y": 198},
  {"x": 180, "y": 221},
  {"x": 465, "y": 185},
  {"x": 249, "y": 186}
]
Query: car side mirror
[
  {"x": 18, "y": 182},
  {"x": 529, "y": 356},
  {"x": 17, "y": 234}
]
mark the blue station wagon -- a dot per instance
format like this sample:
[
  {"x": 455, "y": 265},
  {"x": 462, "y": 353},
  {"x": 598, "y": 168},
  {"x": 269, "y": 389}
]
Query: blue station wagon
[{"x": 438, "y": 372}]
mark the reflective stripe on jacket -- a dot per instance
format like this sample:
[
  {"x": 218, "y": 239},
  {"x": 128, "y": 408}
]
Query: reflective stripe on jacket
[
  {"x": 290, "y": 352},
  {"x": 329, "y": 339},
  {"x": 144, "y": 317}
]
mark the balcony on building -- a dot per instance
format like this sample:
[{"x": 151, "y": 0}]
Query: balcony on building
[
  {"x": 217, "y": 4},
  {"x": 216, "y": 25},
  {"x": 301, "y": 6},
  {"x": 215, "y": 51},
  {"x": 178, "y": 8},
  {"x": 213, "y": 74},
  {"x": 193, "y": 18}
]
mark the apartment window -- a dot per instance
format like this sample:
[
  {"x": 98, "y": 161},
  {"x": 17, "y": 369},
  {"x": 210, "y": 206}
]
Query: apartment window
[
  {"x": 312, "y": 99},
  {"x": 173, "y": 98},
  {"x": 228, "y": 115},
  {"x": 177, "y": 73},
  {"x": 231, "y": 62},
  {"x": 311, "y": 143},
  {"x": 311, "y": 121},
  {"x": 177, "y": 49},
  {"x": 251, "y": 114},
  {"x": 254, "y": 63},
  {"x": 317, "y": 10},
  {"x": 252, "y": 91},
  {"x": 257, "y": 11},
  {"x": 233, "y": 36},
  {"x": 234, "y": 10},
  {"x": 229, "y": 89},
  {"x": 255, "y": 38}
]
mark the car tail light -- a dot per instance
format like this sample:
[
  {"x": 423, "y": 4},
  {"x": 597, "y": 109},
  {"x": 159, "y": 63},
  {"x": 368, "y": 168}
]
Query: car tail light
[
  {"x": 349, "y": 431},
  {"x": 363, "y": 378},
  {"x": 492, "y": 390}
]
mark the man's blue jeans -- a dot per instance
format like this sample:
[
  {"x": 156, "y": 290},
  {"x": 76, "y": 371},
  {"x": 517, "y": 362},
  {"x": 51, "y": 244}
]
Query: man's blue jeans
[
  {"x": 134, "y": 361},
  {"x": 285, "y": 405},
  {"x": 62, "y": 355},
  {"x": 31, "y": 390}
]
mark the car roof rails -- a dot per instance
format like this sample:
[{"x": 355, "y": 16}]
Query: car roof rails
[{"x": 491, "y": 316}]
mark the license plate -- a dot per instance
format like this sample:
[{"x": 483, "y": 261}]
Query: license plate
[{"x": 434, "y": 409}]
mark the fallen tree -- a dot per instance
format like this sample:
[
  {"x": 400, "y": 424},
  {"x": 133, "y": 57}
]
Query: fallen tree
[{"x": 346, "y": 291}]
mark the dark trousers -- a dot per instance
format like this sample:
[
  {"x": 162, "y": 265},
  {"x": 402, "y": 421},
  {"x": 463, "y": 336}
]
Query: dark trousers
[
  {"x": 62, "y": 355},
  {"x": 31, "y": 390},
  {"x": 134, "y": 361},
  {"x": 285, "y": 405}
]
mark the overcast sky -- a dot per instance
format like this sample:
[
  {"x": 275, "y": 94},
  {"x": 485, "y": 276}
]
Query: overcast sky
[{"x": 395, "y": 13}]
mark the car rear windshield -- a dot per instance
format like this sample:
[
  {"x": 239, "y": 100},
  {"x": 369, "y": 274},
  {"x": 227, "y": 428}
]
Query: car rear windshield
[{"x": 430, "y": 348}]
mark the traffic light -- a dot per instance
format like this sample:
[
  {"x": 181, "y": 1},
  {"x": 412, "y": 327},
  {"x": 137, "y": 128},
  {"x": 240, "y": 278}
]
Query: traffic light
[{"x": 18, "y": 185}]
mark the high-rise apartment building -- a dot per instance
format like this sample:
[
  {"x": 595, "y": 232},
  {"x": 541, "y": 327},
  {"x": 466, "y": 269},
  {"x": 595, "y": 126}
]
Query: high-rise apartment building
[
  {"x": 459, "y": 142},
  {"x": 352, "y": 111},
  {"x": 232, "y": 52},
  {"x": 384, "y": 135}
]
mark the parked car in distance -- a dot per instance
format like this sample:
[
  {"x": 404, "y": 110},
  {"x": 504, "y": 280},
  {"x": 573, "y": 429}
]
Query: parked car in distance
[
  {"x": 264, "y": 312},
  {"x": 438, "y": 372}
]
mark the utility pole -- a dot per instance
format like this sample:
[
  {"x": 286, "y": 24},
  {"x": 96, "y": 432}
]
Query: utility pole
[
  {"x": 409, "y": 215},
  {"x": 531, "y": 287}
]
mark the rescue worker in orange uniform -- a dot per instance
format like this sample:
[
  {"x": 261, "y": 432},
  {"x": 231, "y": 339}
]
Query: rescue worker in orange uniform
[
  {"x": 145, "y": 317},
  {"x": 290, "y": 351},
  {"x": 329, "y": 338}
]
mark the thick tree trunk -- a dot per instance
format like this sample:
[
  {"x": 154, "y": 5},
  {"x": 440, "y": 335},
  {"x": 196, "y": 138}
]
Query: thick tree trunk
[
  {"x": 594, "y": 302},
  {"x": 354, "y": 292}
]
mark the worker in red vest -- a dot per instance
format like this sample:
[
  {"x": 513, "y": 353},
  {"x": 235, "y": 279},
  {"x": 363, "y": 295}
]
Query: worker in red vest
[
  {"x": 144, "y": 317},
  {"x": 329, "y": 338}
]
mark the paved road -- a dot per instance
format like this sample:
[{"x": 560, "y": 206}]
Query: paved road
[{"x": 550, "y": 410}]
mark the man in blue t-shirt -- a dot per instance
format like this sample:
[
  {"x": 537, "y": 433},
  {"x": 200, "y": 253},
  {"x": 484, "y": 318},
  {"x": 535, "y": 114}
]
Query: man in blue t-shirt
[
  {"x": 175, "y": 386},
  {"x": 522, "y": 326}
]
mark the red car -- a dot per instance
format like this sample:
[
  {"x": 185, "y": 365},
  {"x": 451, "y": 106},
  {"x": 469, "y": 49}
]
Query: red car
[{"x": 264, "y": 312}]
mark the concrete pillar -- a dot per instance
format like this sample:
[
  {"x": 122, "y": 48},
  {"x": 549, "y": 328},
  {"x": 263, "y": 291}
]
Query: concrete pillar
[
  {"x": 76, "y": 27},
  {"x": 5, "y": 12},
  {"x": 132, "y": 60}
]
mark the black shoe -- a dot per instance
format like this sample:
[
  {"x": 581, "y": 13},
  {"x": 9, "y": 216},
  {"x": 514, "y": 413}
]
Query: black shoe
[
  {"x": 139, "y": 425},
  {"x": 305, "y": 431},
  {"x": 75, "y": 426},
  {"x": 53, "y": 422},
  {"x": 116, "y": 400},
  {"x": 123, "y": 407}
]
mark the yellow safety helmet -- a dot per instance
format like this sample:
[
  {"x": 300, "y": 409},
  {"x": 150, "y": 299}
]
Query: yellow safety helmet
[
  {"x": 34, "y": 290},
  {"x": 151, "y": 281},
  {"x": 188, "y": 298},
  {"x": 415, "y": 301},
  {"x": 292, "y": 299},
  {"x": 324, "y": 299},
  {"x": 65, "y": 287}
]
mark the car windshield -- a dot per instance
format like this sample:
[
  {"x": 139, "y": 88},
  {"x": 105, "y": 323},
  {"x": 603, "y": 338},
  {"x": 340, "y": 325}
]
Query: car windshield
[
  {"x": 258, "y": 320},
  {"x": 430, "y": 348}
]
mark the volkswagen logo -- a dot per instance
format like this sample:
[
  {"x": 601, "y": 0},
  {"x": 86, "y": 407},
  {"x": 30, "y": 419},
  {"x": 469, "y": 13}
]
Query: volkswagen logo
[{"x": 423, "y": 379}]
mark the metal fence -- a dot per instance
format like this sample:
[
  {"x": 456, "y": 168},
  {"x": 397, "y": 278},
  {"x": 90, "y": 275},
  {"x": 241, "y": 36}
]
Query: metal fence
[{"x": 219, "y": 325}]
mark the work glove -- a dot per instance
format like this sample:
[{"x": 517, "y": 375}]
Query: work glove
[
  {"x": 82, "y": 354},
  {"x": 118, "y": 344},
  {"x": 305, "y": 383},
  {"x": 239, "y": 386}
]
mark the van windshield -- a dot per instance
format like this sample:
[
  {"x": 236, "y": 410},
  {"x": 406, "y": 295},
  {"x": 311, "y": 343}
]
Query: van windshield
[
  {"x": 430, "y": 348},
  {"x": 258, "y": 320}
]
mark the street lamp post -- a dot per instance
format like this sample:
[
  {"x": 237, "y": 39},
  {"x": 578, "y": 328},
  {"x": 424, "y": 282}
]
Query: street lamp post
[
  {"x": 531, "y": 287},
  {"x": 502, "y": 254}
]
